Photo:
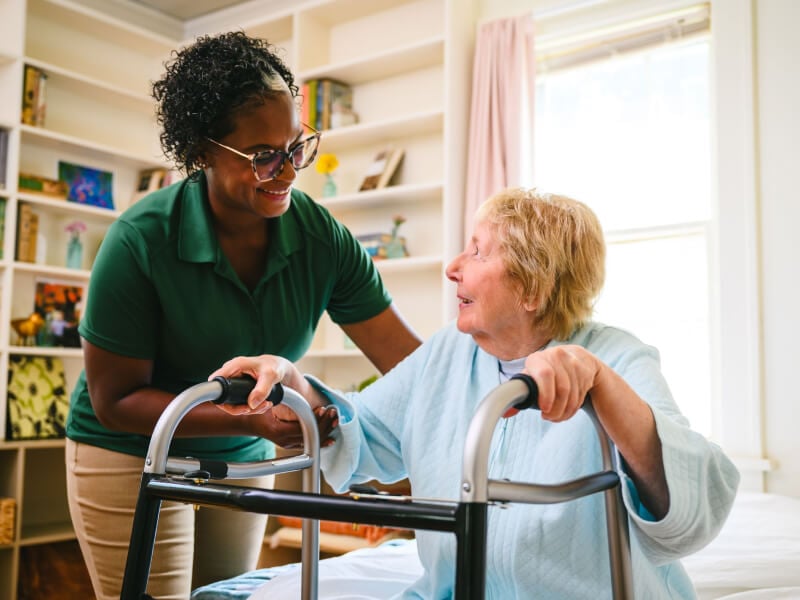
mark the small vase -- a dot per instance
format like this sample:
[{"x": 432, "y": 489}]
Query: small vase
[
  {"x": 396, "y": 248},
  {"x": 329, "y": 189},
  {"x": 74, "y": 253}
]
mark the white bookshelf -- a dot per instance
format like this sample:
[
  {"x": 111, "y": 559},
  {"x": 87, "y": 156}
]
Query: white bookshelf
[
  {"x": 98, "y": 115},
  {"x": 408, "y": 62}
]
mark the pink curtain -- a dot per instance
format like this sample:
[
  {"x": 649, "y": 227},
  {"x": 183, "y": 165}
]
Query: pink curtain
[{"x": 501, "y": 117}]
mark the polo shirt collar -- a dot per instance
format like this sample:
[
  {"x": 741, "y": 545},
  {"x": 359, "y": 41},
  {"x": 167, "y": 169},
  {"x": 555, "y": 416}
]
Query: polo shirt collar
[{"x": 197, "y": 241}]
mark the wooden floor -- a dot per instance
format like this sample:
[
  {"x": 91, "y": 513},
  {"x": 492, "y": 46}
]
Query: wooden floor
[{"x": 53, "y": 572}]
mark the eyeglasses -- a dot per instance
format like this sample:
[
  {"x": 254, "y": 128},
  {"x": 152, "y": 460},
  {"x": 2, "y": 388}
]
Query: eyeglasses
[{"x": 268, "y": 164}]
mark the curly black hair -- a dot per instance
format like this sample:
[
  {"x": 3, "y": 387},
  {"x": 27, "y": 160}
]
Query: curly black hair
[{"x": 206, "y": 83}]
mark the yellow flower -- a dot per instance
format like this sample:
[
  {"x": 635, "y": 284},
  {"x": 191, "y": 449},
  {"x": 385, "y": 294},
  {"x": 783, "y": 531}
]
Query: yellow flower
[{"x": 327, "y": 163}]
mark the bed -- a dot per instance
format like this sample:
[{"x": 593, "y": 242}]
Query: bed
[{"x": 755, "y": 557}]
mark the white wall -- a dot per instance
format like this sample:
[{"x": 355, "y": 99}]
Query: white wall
[
  {"x": 757, "y": 80},
  {"x": 778, "y": 152}
]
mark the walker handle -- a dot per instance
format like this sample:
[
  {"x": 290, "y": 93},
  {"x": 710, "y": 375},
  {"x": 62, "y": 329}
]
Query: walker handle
[
  {"x": 532, "y": 399},
  {"x": 236, "y": 389}
]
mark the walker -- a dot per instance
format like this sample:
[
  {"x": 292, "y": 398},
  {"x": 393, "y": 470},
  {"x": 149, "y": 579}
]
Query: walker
[{"x": 188, "y": 480}]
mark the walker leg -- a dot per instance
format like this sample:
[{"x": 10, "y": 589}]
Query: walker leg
[
  {"x": 143, "y": 539},
  {"x": 471, "y": 524}
]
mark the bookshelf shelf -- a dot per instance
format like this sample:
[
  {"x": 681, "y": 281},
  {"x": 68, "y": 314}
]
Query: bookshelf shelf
[
  {"x": 411, "y": 57},
  {"x": 42, "y": 351},
  {"x": 60, "y": 142},
  {"x": 76, "y": 84},
  {"x": 409, "y": 192},
  {"x": 411, "y": 263},
  {"x": 368, "y": 134},
  {"x": 68, "y": 208},
  {"x": 51, "y": 271}
]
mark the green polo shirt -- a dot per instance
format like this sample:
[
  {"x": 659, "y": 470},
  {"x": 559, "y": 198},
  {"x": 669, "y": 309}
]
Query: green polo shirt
[{"x": 161, "y": 289}]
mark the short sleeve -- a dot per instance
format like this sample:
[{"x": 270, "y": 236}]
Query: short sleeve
[
  {"x": 358, "y": 292},
  {"x": 121, "y": 313}
]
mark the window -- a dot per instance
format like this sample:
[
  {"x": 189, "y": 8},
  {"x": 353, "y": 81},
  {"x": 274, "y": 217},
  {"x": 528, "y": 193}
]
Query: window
[{"x": 630, "y": 136}]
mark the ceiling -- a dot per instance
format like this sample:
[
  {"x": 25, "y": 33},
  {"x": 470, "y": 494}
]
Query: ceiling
[{"x": 185, "y": 10}]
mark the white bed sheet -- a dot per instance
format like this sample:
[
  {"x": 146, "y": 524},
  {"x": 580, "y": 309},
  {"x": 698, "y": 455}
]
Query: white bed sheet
[{"x": 756, "y": 556}]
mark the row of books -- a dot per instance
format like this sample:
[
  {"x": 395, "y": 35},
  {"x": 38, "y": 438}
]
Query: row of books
[
  {"x": 34, "y": 101},
  {"x": 327, "y": 104}
]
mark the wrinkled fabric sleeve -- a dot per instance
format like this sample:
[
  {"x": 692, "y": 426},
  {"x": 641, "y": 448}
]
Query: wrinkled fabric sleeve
[
  {"x": 359, "y": 292},
  {"x": 701, "y": 480},
  {"x": 371, "y": 425}
]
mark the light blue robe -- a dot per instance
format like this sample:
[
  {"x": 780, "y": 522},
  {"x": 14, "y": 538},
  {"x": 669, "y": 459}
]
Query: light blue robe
[{"x": 412, "y": 423}]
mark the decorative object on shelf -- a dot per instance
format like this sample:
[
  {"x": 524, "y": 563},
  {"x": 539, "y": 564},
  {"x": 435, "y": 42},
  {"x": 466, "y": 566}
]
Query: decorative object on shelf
[
  {"x": 74, "y": 244},
  {"x": 382, "y": 170},
  {"x": 8, "y": 512},
  {"x": 377, "y": 245},
  {"x": 37, "y": 398},
  {"x": 86, "y": 185},
  {"x": 326, "y": 165},
  {"x": 27, "y": 233},
  {"x": 27, "y": 329},
  {"x": 34, "y": 101},
  {"x": 59, "y": 304},
  {"x": 151, "y": 180},
  {"x": 396, "y": 248}
]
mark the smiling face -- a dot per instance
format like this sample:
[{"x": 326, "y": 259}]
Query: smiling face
[
  {"x": 232, "y": 185},
  {"x": 490, "y": 307}
]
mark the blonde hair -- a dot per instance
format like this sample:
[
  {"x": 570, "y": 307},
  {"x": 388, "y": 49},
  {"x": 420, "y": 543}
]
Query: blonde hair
[{"x": 554, "y": 247}]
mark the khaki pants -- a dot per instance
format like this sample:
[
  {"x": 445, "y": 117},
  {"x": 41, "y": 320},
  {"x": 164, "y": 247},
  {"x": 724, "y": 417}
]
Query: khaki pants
[{"x": 193, "y": 547}]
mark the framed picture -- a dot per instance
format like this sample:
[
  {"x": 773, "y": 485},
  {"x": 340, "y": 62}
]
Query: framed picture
[
  {"x": 381, "y": 170},
  {"x": 59, "y": 304},
  {"x": 92, "y": 187},
  {"x": 37, "y": 398}
]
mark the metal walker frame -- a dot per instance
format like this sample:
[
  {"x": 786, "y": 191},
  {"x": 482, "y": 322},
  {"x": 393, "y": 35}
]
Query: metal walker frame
[{"x": 187, "y": 480}]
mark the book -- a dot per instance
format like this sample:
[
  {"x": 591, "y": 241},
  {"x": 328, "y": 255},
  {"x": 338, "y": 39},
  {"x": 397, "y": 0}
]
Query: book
[
  {"x": 42, "y": 185},
  {"x": 27, "y": 228},
  {"x": 382, "y": 169},
  {"x": 33, "y": 96},
  {"x": 87, "y": 185},
  {"x": 4, "y": 135},
  {"x": 2, "y": 225},
  {"x": 311, "y": 102},
  {"x": 336, "y": 97},
  {"x": 59, "y": 303}
]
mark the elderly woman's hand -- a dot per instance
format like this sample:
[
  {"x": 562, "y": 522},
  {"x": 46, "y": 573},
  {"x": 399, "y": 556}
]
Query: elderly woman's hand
[
  {"x": 277, "y": 423},
  {"x": 564, "y": 374},
  {"x": 267, "y": 370}
]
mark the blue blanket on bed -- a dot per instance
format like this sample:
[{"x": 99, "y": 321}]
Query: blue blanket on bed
[{"x": 242, "y": 586}]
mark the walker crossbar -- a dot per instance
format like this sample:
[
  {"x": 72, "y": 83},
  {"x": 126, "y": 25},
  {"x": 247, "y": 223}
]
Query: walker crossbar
[{"x": 466, "y": 519}]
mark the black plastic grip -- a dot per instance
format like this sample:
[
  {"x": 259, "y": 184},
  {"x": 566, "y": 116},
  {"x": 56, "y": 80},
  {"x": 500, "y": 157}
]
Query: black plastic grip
[
  {"x": 532, "y": 399},
  {"x": 235, "y": 390}
]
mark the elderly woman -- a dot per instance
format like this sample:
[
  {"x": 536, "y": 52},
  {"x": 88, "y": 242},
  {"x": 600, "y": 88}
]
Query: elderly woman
[{"x": 526, "y": 283}]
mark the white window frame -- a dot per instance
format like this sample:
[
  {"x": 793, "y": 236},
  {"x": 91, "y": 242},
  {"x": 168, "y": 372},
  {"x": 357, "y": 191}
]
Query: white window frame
[{"x": 735, "y": 311}]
